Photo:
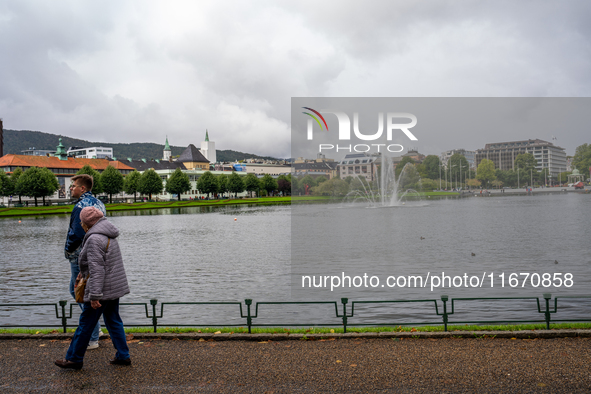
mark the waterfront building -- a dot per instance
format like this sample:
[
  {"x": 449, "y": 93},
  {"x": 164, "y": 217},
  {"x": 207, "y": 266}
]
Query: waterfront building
[
  {"x": 359, "y": 164},
  {"x": 95, "y": 152},
  {"x": 468, "y": 154},
  {"x": 503, "y": 154}
]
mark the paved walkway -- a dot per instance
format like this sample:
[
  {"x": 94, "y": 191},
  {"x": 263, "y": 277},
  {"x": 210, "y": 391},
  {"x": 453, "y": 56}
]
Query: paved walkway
[{"x": 392, "y": 365}]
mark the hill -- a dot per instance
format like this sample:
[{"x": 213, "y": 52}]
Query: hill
[{"x": 15, "y": 141}]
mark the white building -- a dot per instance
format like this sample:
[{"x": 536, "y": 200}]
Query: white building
[
  {"x": 167, "y": 152},
  {"x": 97, "y": 152},
  {"x": 470, "y": 155},
  {"x": 208, "y": 149}
]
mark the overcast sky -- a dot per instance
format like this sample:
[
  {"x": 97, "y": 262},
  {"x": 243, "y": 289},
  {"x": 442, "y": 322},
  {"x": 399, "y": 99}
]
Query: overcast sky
[{"x": 137, "y": 71}]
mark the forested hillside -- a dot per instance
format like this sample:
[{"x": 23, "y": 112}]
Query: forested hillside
[{"x": 16, "y": 141}]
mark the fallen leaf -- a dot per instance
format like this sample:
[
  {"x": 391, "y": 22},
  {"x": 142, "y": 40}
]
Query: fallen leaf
[
  {"x": 541, "y": 385},
  {"x": 201, "y": 340},
  {"x": 217, "y": 332},
  {"x": 353, "y": 365},
  {"x": 513, "y": 338},
  {"x": 54, "y": 332},
  {"x": 263, "y": 342},
  {"x": 332, "y": 331},
  {"x": 38, "y": 332},
  {"x": 42, "y": 345},
  {"x": 339, "y": 361}
]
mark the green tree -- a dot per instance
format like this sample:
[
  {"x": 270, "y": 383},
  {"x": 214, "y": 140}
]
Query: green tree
[
  {"x": 333, "y": 187},
  {"x": 235, "y": 184},
  {"x": 306, "y": 183},
  {"x": 5, "y": 184},
  {"x": 582, "y": 159},
  {"x": 563, "y": 177},
  {"x": 207, "y": 183},
  {"x": 111, "y": 181},
  {"x": 37, "y": 182},
  {"x": 150, "y": 183},
  {"x": 269, "y": 184},
  {"x": 14, "y": 177},
  {"x": 400, "y": 166},
  {"x": 497, "y": 183},
  {"x": 222, "y": 183},
  {"x": 51, "y": 183},
  {"x": 508, "y": 177},
  {"x": 131, "y": 183},
  {"x": 526, "y": 162},
  {"x": 473, "y": 183},
  {"x": 251, "y": 183},
  {"x": 427, "y": 184},
  {"x": 320, "y": 179},
  {"x": 431, "y": 167},
  {"x": 96, "y": 178},
  {"x": 284, "y": 184},
  {"x": 486, "y": 171},
  {"x": 178, "y": 183}
]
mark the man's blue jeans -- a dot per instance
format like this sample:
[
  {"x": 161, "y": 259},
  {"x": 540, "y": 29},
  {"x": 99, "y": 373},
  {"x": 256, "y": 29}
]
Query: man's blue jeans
[
  {"x": 88, "y": 319},
  {"x": 75, "y": 271}
]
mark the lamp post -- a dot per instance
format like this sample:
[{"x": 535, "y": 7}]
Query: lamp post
[
  {"x": 439, "y": 175},
  {"x": 450, "y": 178}
]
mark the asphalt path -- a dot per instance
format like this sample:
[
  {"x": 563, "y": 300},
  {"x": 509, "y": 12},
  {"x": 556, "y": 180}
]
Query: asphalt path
[{"x": 391, "y": 365}]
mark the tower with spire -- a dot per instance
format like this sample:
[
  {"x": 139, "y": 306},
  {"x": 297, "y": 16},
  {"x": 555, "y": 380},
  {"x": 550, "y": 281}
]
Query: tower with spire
[
  {"x": 208, "y": 149},
  {"x": 167, "y": 153}
]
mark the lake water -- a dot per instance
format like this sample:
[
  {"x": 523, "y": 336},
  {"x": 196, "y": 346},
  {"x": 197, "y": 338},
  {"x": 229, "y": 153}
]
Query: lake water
[{"x": 194, "y": 254}]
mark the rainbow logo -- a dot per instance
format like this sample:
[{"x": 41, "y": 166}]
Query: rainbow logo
[{"x": 315, "y": 118}]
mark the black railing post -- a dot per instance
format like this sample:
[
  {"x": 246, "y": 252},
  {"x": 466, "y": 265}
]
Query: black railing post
[
  {"x": 444, "y": 299},
  {"x": 547, "y": 297},
  {"x": 64, "y": 318},
  {"x": 153, "y": 302},
  {"x": 248, "y": 303},
  {"x": 344, "y": 301}
]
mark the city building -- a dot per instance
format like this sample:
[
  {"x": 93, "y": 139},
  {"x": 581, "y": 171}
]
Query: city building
[
  {"x": 38, "y": 152},
  {"x": 167, "y": 153},
  {"x": 359, "y": 164},
  {"x": 95, "y": 152},
  {"x": 208, "y": 149},
  {"x": 468, "y": 154},
  {"x": 63, "y": 166},
  {"x": 503, "y": 154},
  {"x": 327, "y": 169}
]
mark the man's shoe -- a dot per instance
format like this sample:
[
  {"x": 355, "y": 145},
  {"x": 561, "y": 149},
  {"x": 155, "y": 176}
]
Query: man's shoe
[
  {"x": 92, "y": 345},
  {"x": 116, "y": 361},
  {"x": 68, "y": 364}
]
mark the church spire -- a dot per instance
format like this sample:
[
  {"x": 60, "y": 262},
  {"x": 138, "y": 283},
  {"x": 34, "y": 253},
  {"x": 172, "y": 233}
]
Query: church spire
[
  {"x": 61, "y": 151},
  {"x": 166, "y": 146},
  {"x": 206, "y": 136}
]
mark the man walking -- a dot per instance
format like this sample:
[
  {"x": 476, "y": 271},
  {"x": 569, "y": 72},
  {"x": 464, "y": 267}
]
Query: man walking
[{"x": 81, "y": 188}]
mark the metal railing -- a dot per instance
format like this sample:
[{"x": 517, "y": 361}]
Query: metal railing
[{"x": 345, "y": 316}]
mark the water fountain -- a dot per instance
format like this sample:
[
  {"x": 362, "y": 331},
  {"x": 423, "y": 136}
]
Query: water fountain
[{"x": 385, "y": 190}]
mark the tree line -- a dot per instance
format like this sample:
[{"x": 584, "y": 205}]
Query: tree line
[
  {"x": 40, "y": 183},
  {"x": 432, "y": 174}
]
